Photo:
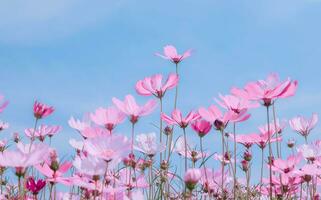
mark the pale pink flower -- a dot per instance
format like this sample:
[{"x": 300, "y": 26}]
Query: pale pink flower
[
  {"x": 108, "y": 147},
  {"x": 192, "y": 177},
  {"x": 177, "y": 119},
  {"x": 267, "y": 90},
  {"x": 286, "y": 166},
  {"x": 245, "y": 139},
  {"x": 125, "y": 180},
  {"x": 41, "y": 110},
  {"x": 108, "y": 117},
  {"x": 77, "y": 124},
  {"x": 170, "y": 53},
  {"x": 147, "y": 144},
  {"x": 55, "y": 172},
  {"x": 303, "y": 125},
  {"x": 235, "y": 103},
  {"x": 154, "y": 85},
  {"x": 90, "y": 165},
  {"x": 3, "y": 125},
  {"x": 92, "y": 132},
  {"x": 42, "y": 131},
  {"x": 132, "y": 109}
]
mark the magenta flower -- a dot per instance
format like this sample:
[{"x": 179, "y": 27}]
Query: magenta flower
[
  {"x": 170, "y": 53},
  {"x": 201, "y": 127},
  {"x": 108, "y": 118},
  {"x": 192, "y": 177},
  {"x": 4, "y": 104},
  {"x": 267, "y": 90},
  {"x": 41, "y": 110},
  {"x": 302, "y": 125},
  {"x": 177, "y": 119},
  {"x": 35, "y": 186},
  {"x": 153, "y": 85},
  {"x": 220, "y": 120},
  {"x": 132, "y": 109}
]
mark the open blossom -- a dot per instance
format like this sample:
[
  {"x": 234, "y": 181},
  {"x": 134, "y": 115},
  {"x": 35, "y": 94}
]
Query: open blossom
[
  {"x": 267, "y": 90},
  {"x": 170, "y": 53},
  {"x": 154, "y": 85},
  {"x": 288, "y": 165},
  {"x": 201, "y": 127},
  {"x": 220, "y": 120},
  {"x": 147, "y": 144},
  {"x": 132, "y": 109},
  {"x": 108, "y": 148},
  {"x": 35, "y": 186},
  {"x": 235, "y": 103},
  {"x": 54, "y": 171},
  {"x": 245, "y": 139},
  {"x": 78, "y": 124},
  {"x": 310, "y": 152},
  {"x": 4, "y": 104},
  {"x": 41, "y": 110},
  {"x": 177, "y": 118},
  {"x": 92, "y": 132},
  {"x": 42, "y": 131},
  {"x": 90, "y": 165},
  {"x": 23, "y": 157},
  {"x": 303, "y": 125},
  {"x": 108, "y": 117},
  {"x": 192, "y": 177}
]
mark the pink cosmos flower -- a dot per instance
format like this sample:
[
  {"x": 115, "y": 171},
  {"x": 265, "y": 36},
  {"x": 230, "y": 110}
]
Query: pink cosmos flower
[
  {"x": 286, "y": 166},
  {"x": 245, "y": 139},
  {"x": 55, "y": 171},
  {"x": 267, "y": 90},
  {"x": 108, "y": 118},
  {"x": 132, "y": 109},
  {"x": 90, "y": 165},
  {"x": 192, "y": 177},
  {"x": 92, "y": 132},
  {"x": 170, "y": 53},
  {"x": 41, "y": 110},
  {"x": 77, "y": 124},
  {"x": 153, "y": 85},
  {"x": 42, "y": 132},
  {"x": 302, "y": 125},
  {"x": 147, "y": 144},
  {"x": 177, "y": 119},
  {"x": 108, "y": 147},
  {"x": 4, "y": 104},
  {"x": 125, "y": 180},
  {"x": 220, "y": 120},
  {"x": 201, "y": 127},
  {"x": 262, "y": 139},
  {"x": 35, "y": 186},
  {"x": 235, "y": 103}
]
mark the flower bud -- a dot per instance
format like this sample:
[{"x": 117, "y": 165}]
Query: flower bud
[{"x": 192, "y": 177}]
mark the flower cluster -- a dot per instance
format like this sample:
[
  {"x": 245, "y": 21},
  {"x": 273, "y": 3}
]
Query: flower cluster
[{"x": 168, "y": 162}]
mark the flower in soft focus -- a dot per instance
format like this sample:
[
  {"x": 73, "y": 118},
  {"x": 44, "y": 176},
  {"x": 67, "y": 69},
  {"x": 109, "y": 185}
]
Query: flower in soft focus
[
  {"x": 42, "y": 131},
  {"x": 245, "y": 165},
  {"x": 235, "y": 103},
  {"x": 267, "y": 90},
  {"x": 170, "y": 53},
  {"x": 245, "y": 139},
  {"x": 108, "y": 148},
  {"x": 23, "y": 158},
  {"x": 90, "y": 165},
  {"x": 3, "y": 145},
  {"x": 220, "y": 120},
  {"x": 310, "y": 152},
  {"x": 192, "y": 177},
  {"x": 108, "y": 117},
  {"x": 302, "y": 125},
  {"x": 291, "y": 143},
  {"x": 41, "y": 110},
  {"x": 54, "y": 171},
  {"x": 35, "y": 186},
  {"x": 3, "y": 125},
  {"x": 177, "y": 119},
  {"x": 201, "y": 127},
  {"x": 125, "y": 180},
  {"x": 77, "y": 124},
  {"x": 4, "y": 104},
  {"x": 262, "y": 139},
  {"x": 286, "y": 166},
  {"x": 147, "y": 144},
  {"x": 132, "y": 109},
  {"x": 92, "y": 132},
  {"x": 154, "y": 86}
]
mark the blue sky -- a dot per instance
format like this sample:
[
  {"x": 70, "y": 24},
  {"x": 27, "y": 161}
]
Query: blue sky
[{"x": 77, "y": 55}]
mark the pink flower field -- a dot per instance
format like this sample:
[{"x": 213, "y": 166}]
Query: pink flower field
[{"x": 167, "y": 164}]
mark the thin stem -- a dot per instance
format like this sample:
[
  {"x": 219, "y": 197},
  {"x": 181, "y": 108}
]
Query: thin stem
[
  {"x": 160, "y": 127},
  {"x": 278, "y": 151},
  {"x": 262, "y": 165},
  {"x": 270, "y": 150},
  {"x": 203, "y": 159},
  {"x": 223, "y": 158},
  {"x": 234, "y": 134},
  {"x": 185, "y": 143},
  {"x": 33, "y": 134}
]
